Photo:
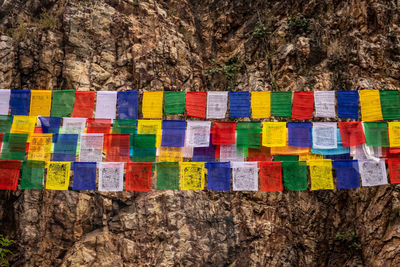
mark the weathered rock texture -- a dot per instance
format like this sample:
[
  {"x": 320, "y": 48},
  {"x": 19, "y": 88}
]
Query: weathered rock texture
[{"x": 177, "y": 45}]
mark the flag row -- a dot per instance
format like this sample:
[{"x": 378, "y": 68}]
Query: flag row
[
  {"x": 375, "y": 105},
  {"x": 266, "y": 176}
]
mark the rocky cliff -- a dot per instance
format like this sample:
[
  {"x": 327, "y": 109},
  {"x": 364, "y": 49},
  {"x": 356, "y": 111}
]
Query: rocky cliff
[{"x": 201, "y": 45}]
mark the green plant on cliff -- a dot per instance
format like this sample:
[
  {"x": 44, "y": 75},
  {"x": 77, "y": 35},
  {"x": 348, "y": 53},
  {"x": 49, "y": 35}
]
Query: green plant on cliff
[
  {"x": 47, "y": 21},
  {"x": 4, "y": 251},
  {"x": 260, "y": 31},
  {"x": 350, "y": 240},
  {"x": 299, "y": 24},
  {"x": 229, "y": 69}
]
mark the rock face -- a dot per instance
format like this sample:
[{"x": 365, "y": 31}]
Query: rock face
[{"x": 201, "y": 45}]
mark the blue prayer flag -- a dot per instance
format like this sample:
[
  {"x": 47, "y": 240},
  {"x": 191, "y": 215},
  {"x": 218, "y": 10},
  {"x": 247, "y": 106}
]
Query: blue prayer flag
[
  {"x": 128, "y": 102},
  {"x": 300, "y": 134},
  {"x": 239, "y": 104},
  {"x": 347, "y": 174},
  {"x": 65, "y": 147},
  {"x": 84, "y": 176},
  {"x": 20, "y": 102},
  {"x": 50, "y": 124},
  {"x": 219, "y": 176},
  {"x": 173, "y": 133},
  {"x": 348, "y": 104}
]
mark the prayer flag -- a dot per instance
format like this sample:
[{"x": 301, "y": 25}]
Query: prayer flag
[
  {"x": 348, "y": 104},
  {"x": 91, "y": 147},
  {"x": 352, "y": 133},
  {"x": 370, "y": 105},
  {"x": 106, "y": 105},
  {"x": 117, "y": 147},
  {"x": 151, "y": 127},
  {"x": 217, "y": 105},
  {"x": 198, "y": 133},
  {"x": 73, "y": 126},
  {"x": 111, "y": 176},
  {"x": 50, "y": 124},
  {"x": 325, "y": 104},
  {"x": 324, "y": 135},
  {"x": 98, "y": 126},
  {"x": 310, "y": 156},
  {"x": 244, "y": 176},
  {"x": 289, "y": 150},
  {"x": 170, "y": 154},
  {"x": 23, "y": 124},
  {"x": 286, "y": 158},
  {"x": 124, "y": 126},
  {"x": 84, "y": 104},
  {"x": 5, "y": 123},
  {"x": 14, "y": 146},
  {"x": 20, "y": 101},
  {"x": 174, "y": 102},
  {"x": 347, "y": 174},
  {"x": 260, "y": 105},
  {"x": 376, "y": 133},
  {"x": 144, "y": 148},
  {"x": 196, "y": 103},
  {"x": 63, "y": 103},
  {"x": 128, "y": 103},
  {"x": 394, "y": 134},
  {"x": 219, "y": 176},
  {"x": 32, "y": 174},
  {"x": 192, "y": 175},
  {"x": 5, "y": 95},
  {"x": 65, "y": 147},
  {"x": 248, "y": 134},
  {"x": 40, "y": 147},
  {"x": 152, "y": 105},
  {"x": 390, "y": 104},
  {"x": 9, "y": 174},
  {"x": 205, "y": 154},
  {"x": 167, "y": 176},
  {"x": 299, "y": 134},
  {"x": 262, "y": 154},
  {"x": 274, "y": 134},
  {"x": 303, "y": 105},
  {"x": 84, "y": 176},
  {"x": 270, "y": 176},
  {"x": 295, "y": 175},
  {"x": 394, "y": 170},
  {"x": 58, "y": 175},
  {"x": 321, "y": 174},
  {"x": 239, "y": 104},
  {"x": 138, "y": 176},
  {"x": 173, "y": 133},
  {"x": 40, "y": 103},
  {"x": 223, "y": 133},
  {"x": 281, "y": 103},
  {"x": 333, "y": 151},
  {"x": 373, "y": 172},
  {"x": 231, "y": 153}
]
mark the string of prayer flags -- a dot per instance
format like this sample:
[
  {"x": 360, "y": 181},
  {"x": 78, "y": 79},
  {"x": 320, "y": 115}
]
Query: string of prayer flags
[
  {"x": 20, "y": 101},
  {"x": 274, "y": 134},
  {"x": 174, "y": 102},
  {"x": 373, "y": 172},
  {"x": 152, "y": 105},
  {"x": 128, "y": 105},
  {"x": 347, "y": 175},
  {"x": 260, "y": 104},
  {"x": 40, "y": 103},
  {"x": 390, "y": 104},
  {"x": 65, "y": 147},
  {"x": 91, "y": 147},
  {"x": 223, "y": 133},
  {"x": 370, "y": 105},
  {"x": 198, "y": 133},
  {"x": 394, "y": 170},
  {"x": 23, "y": 124},
  {"x": 58, "y": 174},
  {"x": 192, "y": 175},
  {"x": 321, "y": 174},
  {"x": 106, "y": 105},
  {"x": 217, "y": 105},
  {"x": 295, "y": 175},
  {"x": 50, "y": 124},
  {"x": 84, "y": 176},
  {"x": 5, "y": 123},
  {"x": 111, "y": 176},
  {"x": 117, "y": 147},
  {"x": 325, "y": 104},
  {"x": 144, "y": 148},
  {"x": 40, "y": 147},
  {"x": 239, "y": 104},
  {"x": 281, "y": 103},
  {"x": 303, "y": 105},
  {"x": 170, "y": 154},
  {"x": 63, "y": 103},
  {"x": 173, "y": 133},
  {"x": 248, "y": 134},
  {"x": 167, "y": 175},
  {"x": 270, "y": 176},
  {"x": 84, "y": 104},
  {"x": 394, "y": 134},
  {"x": 5, "y": 95},
  {"x": 9, "y": 174},
  {"x": 219, "y": 176},
  {"x": 324, "y": 135},
  {"x": 138, "y": 176},
  {"x": 32, "y": 174},
  {"x": 244, "y": 176},
  {"x": 151, "y": 127},
  {"x": 262, "y": 154},
  {"x": 376, "y": 134},
  {"x": 14, "y": 146},
  {"x": 206, "y": 154},
  {"x": 352, "y": 133},
  {"x": 299, "y": 134},
  {"x": 98, "y": 126},
  {"x": 196, "y": 103},
  {"x": 348, "y": 104}
]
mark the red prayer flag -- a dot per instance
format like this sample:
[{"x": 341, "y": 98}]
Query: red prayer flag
[
  {"x": 116, "y": 147},
  {"x": 262, "y": 154},
  {"x": 196, "y": 103},
  {"x": 303, "y": 105},
  {"x": 9, "y": 174},
  {"x": 84, "y": 104},
  {"x": 98, "y": 126},
  {"x": 223, "y": 133},
  {"x": 138, "y": 176},
  {"x": 394, "y": 170},
  {"x": 270, "y": 176},
  {"x": 388, "y": 153},
  {"x": 352, "y": 133}
]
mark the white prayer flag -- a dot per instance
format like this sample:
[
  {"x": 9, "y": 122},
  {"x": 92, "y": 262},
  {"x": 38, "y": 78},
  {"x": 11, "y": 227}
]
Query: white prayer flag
[
  {"x": 217, "y": 103},
  {"x": 365, "y": 152},
  {"x": 111, "y": 176},
  {"x": 245, "y": 176},
  {"x": 73, "y": 125},
  {"x": 91, "y": 147},
  {"x": 231, "y": 153},
  {"x": 198, "y": 134},
  {"x": 325, "y": 104},
  {"x": 4, "y": 101},
  {"x": 324, "y": 135},
  {"x": 373, "y": 172},
  {"x": 106, "y": 105}
]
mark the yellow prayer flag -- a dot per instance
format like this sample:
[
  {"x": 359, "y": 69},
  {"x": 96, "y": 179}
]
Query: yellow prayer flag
[
  {"x": 290, "y": 150},
  {"x": 40, "y": 103},
  {"x": 151, "y": 127},
  {"x": 58, "y": 175},
  {"x": 321, "y": 174},
  {"x": 152, "y": 105},
  {"x": 274, "y": 134},
  {"x": 23, "y": 124},
  {"x": 261, "y": 104},
  {"x": 170, "y": 154},
  {"x": 40, "y": 147},
  {"x": 370, "y": 105},
  {"x": 394, "y": 134},
  {"x": 192, "y": 175},
  {"x": 310, "y": 156}
]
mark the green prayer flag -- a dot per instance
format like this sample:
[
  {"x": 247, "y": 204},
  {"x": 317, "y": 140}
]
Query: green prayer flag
[
  {"x": 124, "y": 126},
  {"x": 248, "y": 134},
  {"x": 62, "y": 103},
  {"x": 32, "y": 174},
  {"x": 376, "y": 133},
  {"x": 168, "y": 175},
  {"x": 390, "y": 104},
  {"x": 14, "y": 146},
  {"x": 295, "y": 175},
  {"x": 174, "y": 102},
  {"x": 144, "y": 149},
  {"x": 286, "y": 158},
  {"x": 5, "y": 123},
  {"x": 281, "y": 103}
]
